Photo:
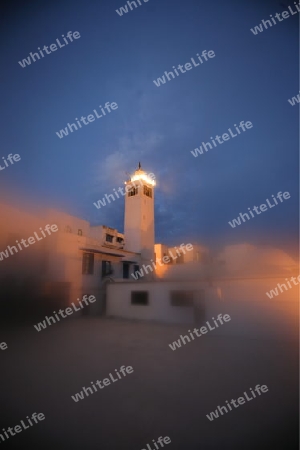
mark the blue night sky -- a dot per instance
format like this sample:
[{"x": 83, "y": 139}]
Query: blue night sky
[{"x": 116, "y": 60}]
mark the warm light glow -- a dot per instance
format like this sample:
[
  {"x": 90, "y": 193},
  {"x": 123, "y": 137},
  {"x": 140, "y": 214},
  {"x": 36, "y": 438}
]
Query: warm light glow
[{"x": 144, "y": 177}]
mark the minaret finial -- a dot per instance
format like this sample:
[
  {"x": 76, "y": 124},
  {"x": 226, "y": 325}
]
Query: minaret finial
[{"x": 140, "y": 167}]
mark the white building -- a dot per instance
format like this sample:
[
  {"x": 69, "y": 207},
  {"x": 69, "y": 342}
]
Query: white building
[
  {"x": 79, "y": 259},
  {"x": 176, "y": 285},
  {"x": 139, "y": 215}
]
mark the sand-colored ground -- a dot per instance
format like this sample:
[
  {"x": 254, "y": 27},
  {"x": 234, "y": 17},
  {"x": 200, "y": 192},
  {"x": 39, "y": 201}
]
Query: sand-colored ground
[{"x": 169, "y": 393}]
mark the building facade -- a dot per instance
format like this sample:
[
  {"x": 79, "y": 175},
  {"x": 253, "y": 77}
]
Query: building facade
[{"x": 80, "y": 259}]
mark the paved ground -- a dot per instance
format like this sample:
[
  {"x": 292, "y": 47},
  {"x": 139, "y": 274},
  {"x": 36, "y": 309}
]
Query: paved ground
[{"x": 169, "y": 393}]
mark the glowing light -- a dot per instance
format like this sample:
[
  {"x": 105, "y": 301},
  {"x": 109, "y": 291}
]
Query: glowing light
[{"x": 144, "y": 177}]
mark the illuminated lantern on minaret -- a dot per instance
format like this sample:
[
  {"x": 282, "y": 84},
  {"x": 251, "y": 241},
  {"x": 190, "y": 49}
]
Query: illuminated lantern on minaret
[{"x": 139, "y": 214}]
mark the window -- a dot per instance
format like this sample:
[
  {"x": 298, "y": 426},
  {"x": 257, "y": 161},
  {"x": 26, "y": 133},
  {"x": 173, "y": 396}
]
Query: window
[
  {"x": 109, "y": 237},
  {"x": 68, "y": 229},
  {"x": 133, "y": 191},
  {"x": 125, "y": 270},
  {"x": 182, "y": 298},
  {"x": 88, "y": 263},
  {"x": 139, "y": 298},
  {"x": 106, "y": 268},
  {"x": 148, "y": 191},
  {"x": 120, "y": 240},
  {"x": 79, "y": 232},
  {"x": 136, "y": 268}
]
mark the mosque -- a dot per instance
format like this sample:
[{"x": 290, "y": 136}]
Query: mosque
[{"x": 81, "y": 259}]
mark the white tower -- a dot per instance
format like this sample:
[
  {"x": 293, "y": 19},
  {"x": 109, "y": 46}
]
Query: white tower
[{"x": 139, "y": 214}]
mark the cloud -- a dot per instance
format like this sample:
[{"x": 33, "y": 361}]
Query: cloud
[{"x": 118, "y": 164}]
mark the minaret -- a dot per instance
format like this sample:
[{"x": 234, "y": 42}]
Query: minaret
[{"x": 139, "y": 214}]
